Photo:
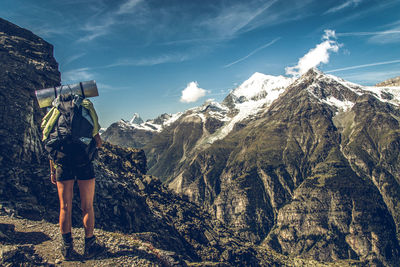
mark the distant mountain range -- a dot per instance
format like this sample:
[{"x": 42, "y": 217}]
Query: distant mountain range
[
  {"x": 390, "y": 82},
  {"x": 307, "y": 167}
]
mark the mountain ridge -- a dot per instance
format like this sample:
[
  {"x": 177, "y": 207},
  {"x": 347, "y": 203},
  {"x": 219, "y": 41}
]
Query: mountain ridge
[{"x": 303, "y": 152}]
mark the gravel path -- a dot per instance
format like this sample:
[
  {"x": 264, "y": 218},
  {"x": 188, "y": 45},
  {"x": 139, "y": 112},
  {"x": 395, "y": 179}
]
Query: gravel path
[{"x": 26, "y": 243}]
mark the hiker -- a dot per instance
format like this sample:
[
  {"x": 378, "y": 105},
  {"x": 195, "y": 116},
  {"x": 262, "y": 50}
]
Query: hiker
[{"x": 71, "y": 136}]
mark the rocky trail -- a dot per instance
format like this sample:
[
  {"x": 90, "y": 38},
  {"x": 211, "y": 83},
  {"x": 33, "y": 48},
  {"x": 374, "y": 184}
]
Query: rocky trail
[
  {"x": 25, "y": 242},
  {"x": 36, "y": 243}
]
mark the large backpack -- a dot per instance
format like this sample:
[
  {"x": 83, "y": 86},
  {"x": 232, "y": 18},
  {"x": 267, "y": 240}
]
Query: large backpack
[{"x": 70, "y": 141}]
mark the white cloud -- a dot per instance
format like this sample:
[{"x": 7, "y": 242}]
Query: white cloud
[
  {"x": 316, "y": 56},
  {"x": 192, "y": 93}
]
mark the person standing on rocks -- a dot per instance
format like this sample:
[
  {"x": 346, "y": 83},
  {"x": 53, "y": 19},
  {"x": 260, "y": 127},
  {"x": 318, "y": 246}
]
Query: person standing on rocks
[{"x": 71, "y": 137}]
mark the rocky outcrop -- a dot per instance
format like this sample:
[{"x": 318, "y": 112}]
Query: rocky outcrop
[
  {"x": 121, "y": 135},
  {"x": 26, "y": 64},
  {"x": 390, "y": 82}
]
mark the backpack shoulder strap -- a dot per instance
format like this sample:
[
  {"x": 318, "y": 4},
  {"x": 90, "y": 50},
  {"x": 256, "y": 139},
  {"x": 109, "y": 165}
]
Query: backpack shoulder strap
[
  {"x": 49, "y": 121},
  {"x": 86, "y": 103}
]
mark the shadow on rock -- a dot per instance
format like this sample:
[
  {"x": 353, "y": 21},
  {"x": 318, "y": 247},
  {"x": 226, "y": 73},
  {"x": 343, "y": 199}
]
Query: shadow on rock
[{"x": 9, "y": 236}]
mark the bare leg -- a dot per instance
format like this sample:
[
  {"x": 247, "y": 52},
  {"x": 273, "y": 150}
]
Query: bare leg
[
  {"x": 86, "y": 189},
  {"x": 65, "y": 194}
]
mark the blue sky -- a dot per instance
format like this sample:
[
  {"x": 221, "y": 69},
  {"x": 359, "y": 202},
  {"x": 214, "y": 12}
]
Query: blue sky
[{"x": 156, "y": 56}]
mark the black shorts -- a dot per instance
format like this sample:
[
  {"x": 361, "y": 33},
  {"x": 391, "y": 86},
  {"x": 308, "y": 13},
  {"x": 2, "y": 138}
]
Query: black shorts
[{"x": 65, "y": 172}]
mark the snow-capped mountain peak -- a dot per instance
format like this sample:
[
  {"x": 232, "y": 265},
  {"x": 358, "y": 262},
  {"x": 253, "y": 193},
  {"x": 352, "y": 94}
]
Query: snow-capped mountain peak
[
  {"x": 260, "y": 84},
  {"x": 254, "y": 97},
  {"x": 343, "y": 94},
  {"x": 136, "y": 119}
]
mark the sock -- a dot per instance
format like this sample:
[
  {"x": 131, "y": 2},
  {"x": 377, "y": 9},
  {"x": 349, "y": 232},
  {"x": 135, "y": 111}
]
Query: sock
[
  {"x": 88, "y": 239},
  {"x": 67, "y": 237}
]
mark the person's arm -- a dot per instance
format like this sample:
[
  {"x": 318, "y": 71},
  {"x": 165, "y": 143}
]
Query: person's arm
[
  {"x": 97, "y": 138},
  {"x": 52, "y": 172}
]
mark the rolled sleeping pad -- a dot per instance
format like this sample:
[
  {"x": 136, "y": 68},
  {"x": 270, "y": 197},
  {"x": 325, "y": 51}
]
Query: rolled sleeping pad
[{"x": 46, "y": 96}]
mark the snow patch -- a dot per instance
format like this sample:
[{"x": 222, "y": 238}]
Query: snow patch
[
  {"x": 382, "y": 94},
  {"x": 246, "y": 109},
  {"x": 341, "y": 105},
  {"x": 259, "y": 83},
  {"x": 174, "y": 117}
]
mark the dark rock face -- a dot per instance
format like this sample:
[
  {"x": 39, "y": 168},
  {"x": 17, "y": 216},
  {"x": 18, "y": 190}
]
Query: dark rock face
[
  {"x": 173, "y": 145},
  {"x": 26, "y": 64}
]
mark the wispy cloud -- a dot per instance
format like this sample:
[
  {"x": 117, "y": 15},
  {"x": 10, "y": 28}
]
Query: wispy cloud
[
  {"x": 77, "y": 75},
  {"x": 367, "y": 33},
  {"x": 97, "y": 28},
  {"x": 346, "y": 4},
  {"x": 368, "y": 11},
  {"x": 379, "y": 37},
  {"x": 253, "y": 52},
  {"x": 370, "y": 77},
  {"x": 169, "y": 58},
  {"x": 315, "y": 56},
  {"x": 219, "y": 23},
  {"x": 102, "y": 22},
  {"x": 365, "y": 65},
  {"x": 228, "y": 21},
  {"x": 102, "y": 87},
  {"x": 70, "y": 59},
  {"x": 216, "y": 22},
  {"x": 386, "y": 37},
  {"x": 128, "y": 6}
]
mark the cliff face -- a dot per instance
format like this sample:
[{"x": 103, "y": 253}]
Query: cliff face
[{"x": 26, "y": 64}]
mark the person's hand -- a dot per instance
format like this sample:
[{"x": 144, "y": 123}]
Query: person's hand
[
  {"x": 97, "y": 138},
  {"x": 53, "y": 177},
  {"x": 52, "y": 172}
]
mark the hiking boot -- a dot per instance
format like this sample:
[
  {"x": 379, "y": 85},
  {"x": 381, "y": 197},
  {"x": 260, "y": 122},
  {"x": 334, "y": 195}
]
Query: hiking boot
[
  {"x": 93, "y": 248},
  {"x": 67, "y": 251}
]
